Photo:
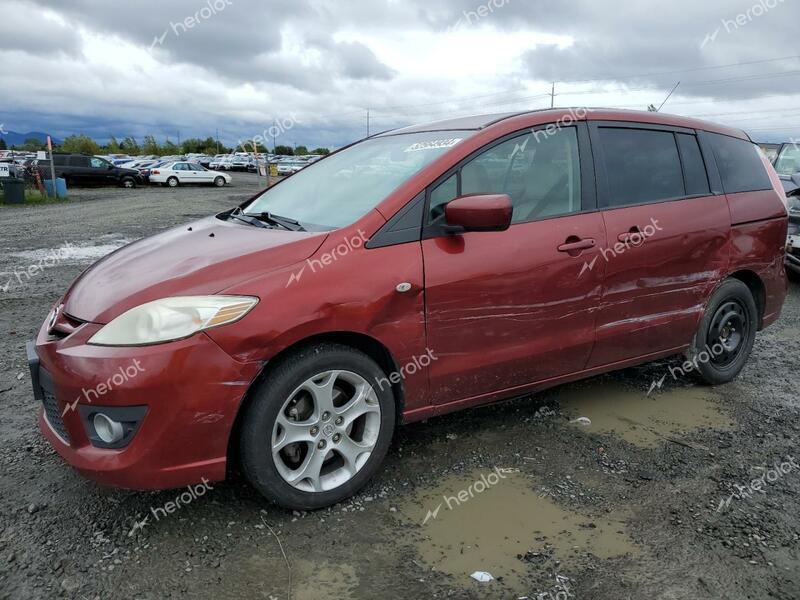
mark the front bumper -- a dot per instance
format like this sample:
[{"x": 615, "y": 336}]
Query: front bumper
[{"x": 191, "y": 391}]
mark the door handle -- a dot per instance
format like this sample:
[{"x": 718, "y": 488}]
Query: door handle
[
  {"x": 573, "y": 244},
  {"x": 625, "y": 237}
]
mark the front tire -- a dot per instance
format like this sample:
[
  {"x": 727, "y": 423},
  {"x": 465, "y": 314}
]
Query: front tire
[
  {"x": 219, "y": 181},
  {"x": 726, "y": 334},
  {"x": 128, "y": 183},
  {"x": 318, "y": 427}
]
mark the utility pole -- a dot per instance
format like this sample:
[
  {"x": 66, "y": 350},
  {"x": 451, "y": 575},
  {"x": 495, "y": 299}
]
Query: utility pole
[
  {"x": 274, "y": 129},
  {"x": 217, "y": 140},
  {"x": 553, "y": 95}
]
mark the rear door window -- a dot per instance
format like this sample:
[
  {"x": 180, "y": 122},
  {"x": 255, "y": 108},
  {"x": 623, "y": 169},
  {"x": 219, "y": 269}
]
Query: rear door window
[
  {"x": 740, "y": 165},
  {"x": 76, "y": 161},
  {"x": 641, "y": 166}
]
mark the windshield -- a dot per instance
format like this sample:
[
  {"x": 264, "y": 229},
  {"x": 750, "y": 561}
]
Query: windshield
[
  {"x": 340, "y": 189},
  {"x": 788, "y": 162}
]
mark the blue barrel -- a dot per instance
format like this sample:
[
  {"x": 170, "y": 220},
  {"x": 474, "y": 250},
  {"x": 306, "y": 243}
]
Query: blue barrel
[{"x": 61, "y": 187}]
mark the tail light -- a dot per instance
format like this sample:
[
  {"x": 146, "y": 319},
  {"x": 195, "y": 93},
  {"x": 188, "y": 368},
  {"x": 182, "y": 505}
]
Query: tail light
[{"x": 156, "y": 172}]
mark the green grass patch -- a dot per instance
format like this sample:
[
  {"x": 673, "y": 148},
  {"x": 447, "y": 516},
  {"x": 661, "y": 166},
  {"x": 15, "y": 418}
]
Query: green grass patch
[{"x": 32, "y": 196}]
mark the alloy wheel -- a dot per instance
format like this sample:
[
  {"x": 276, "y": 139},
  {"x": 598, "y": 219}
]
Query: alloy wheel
[{"x": 326, "y": 431}]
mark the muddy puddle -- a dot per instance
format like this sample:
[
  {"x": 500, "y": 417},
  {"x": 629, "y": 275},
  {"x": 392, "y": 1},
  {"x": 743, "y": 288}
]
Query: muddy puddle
[
  {"x": 310, "y": 579},
  {"x": 642, "y": 420},
  {"x": 494, "y": 521},
  {"x": 323, "y": 581}
]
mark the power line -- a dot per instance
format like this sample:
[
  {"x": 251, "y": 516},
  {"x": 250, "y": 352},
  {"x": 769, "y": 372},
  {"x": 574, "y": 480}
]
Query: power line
[{"x": 680, "y": 72}]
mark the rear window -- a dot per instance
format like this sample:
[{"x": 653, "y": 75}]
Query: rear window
[
  {"x": 642, "y": 165},
  {"x": 740, "y": 165}
]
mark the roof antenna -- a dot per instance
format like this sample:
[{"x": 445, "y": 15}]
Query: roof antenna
[{"x": 652, "y": 108}]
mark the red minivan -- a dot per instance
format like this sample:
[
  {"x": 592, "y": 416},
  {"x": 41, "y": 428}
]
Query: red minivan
[{"x": 414, "y": 273}]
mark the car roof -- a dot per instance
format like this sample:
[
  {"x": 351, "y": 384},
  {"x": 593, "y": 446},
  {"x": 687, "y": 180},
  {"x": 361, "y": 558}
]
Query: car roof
[
  {"x": 480, "y": 122},
  {"x": 474, "y": 122}
]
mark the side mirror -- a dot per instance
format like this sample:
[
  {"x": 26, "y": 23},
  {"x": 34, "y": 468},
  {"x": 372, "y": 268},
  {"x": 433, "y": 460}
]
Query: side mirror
[{"x": 481, "y": 212}]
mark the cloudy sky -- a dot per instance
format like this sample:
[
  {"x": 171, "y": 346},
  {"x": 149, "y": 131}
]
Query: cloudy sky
[{"x": 134, "y": 67}]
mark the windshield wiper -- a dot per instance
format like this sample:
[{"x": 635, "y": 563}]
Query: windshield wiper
[
  {"x": 284, "y": 222},
  {"x": 253, "y": 222}
]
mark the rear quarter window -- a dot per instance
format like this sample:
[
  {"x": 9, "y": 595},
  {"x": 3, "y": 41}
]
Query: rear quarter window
[{"x": 740, "y": 165}]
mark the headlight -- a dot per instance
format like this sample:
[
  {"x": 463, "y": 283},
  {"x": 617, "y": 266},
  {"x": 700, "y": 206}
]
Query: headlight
[
  {"x": 793, "y": 204},
  {"x": 171, "y": 319}
]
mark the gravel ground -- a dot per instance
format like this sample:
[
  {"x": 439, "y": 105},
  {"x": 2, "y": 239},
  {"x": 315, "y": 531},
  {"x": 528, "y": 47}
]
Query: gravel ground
[{"x": 642, "y": 503}]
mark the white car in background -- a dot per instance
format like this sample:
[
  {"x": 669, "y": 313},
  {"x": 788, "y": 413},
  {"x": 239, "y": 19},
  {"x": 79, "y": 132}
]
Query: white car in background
[{"x": 184, "y": 172}]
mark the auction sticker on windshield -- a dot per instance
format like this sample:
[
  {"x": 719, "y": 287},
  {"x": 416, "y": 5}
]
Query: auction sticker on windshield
[
  {"x": 433, "y": 144},
  {"x": 794, "y": 241}
]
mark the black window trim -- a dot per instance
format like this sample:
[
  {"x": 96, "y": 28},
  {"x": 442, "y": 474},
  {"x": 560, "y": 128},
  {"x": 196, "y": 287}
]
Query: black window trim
[
  {"x": 603, "y": 190},
  {"x": 682, "y": 158}
]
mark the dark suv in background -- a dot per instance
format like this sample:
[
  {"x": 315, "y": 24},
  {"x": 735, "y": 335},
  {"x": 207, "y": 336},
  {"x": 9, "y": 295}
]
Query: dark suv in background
[{"x": 84, "y": 169}]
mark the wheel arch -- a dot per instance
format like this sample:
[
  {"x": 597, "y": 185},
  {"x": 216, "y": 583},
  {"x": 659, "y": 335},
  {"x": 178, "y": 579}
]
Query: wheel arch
[
  {"x": 756, "y": 285},
  {"x": 370, "y": 346}
]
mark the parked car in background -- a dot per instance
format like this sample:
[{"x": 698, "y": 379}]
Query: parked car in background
[
  {"x": 787, "y": 165},
  {"x": 572, "y": 250},
  {"x": 84, "y": 169},
  {"x": 218, "y": 161},
  {"x": 237, "y": 163},
  {"x": 291, "y": 166},
  {"x": 174, "y": 174}
]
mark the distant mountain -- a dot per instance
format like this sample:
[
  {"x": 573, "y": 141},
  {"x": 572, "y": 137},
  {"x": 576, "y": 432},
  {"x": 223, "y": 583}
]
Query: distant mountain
[{"x": 13, "y": 138}]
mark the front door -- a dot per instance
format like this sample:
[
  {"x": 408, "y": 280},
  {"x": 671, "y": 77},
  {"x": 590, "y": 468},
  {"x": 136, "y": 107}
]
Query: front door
[{"x": 505, "y": 309}]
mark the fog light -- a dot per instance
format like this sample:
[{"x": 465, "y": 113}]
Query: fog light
[{"x": 107, "y": 429}]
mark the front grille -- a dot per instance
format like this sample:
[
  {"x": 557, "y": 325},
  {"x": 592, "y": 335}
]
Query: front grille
[{"x": 54, "y": 415}]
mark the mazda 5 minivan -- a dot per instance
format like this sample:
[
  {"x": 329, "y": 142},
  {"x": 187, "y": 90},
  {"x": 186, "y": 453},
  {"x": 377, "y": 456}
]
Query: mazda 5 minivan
[{"x": 414, "y": 273}]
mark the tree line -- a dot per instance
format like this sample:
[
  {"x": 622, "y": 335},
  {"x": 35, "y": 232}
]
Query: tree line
[{"x": 130, "y": 146}]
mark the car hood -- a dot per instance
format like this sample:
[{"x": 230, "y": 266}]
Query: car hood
[{"x": 204, "y": 257}]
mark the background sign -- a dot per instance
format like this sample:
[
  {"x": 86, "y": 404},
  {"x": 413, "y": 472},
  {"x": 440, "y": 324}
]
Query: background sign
[{"x": 5, "y": 170}]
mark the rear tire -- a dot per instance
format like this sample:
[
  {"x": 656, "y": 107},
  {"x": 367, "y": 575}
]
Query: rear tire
[
  {"x": 173, "y": 182},
  {"x": 726, "y": 334},
  {"x": 338, "y": 448}
]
